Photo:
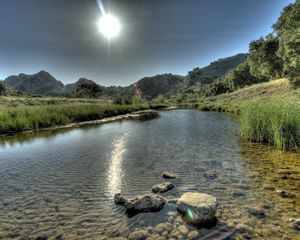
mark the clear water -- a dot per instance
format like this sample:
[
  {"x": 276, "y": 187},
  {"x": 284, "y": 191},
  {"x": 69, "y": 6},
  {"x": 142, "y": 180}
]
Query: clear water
[{"x": 62, "y": 183}]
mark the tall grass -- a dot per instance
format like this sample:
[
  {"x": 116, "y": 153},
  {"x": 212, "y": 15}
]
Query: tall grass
[
  {"x": 20, "y": 119},
  {"x": 272, "y": 121}
]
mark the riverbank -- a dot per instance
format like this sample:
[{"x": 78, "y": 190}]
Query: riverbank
[
  {"x": 269, "y": 112},
  {"x": 32, "y": 118}
]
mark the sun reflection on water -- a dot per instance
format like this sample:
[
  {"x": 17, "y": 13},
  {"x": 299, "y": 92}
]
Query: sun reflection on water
[{"x": 115, "y": 171}]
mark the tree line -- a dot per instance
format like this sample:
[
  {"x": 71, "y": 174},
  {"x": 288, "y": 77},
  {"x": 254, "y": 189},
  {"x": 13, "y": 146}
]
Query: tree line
[{"x": 274, "y": 56}]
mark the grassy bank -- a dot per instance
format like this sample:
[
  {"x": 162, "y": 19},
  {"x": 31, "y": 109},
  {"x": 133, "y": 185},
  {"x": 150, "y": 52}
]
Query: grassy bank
[
  {"x": 19, "y": 119},
  {"x": 274, "y": 121},
  {"x": 269, "y": 112}
]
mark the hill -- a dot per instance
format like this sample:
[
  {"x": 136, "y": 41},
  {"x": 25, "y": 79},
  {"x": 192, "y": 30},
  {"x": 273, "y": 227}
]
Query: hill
[
  {"x": 41, "y": 83},
  {"x": 232, "y": 102},
  {"x": 5, "y": 90},
  {"x": 83, "y": 88},
  {"x": 44, "y": 84}
]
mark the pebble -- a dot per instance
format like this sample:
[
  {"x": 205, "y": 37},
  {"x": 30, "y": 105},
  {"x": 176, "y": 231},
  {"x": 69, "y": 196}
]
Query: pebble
[
  {"x": 183, "y": 230},
  {"x": 193, "y": 235}
]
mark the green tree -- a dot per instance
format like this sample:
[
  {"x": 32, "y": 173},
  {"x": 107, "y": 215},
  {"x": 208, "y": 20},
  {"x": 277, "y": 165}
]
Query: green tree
[
  {"x": 136, "y": 100},
  {"x": 288, "y": 30},
  {"x": 233, "y": 80},
  {"x": 263, "y": 61}
]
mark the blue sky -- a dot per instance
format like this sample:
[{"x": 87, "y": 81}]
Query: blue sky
[{"x": 158, "y": 36}]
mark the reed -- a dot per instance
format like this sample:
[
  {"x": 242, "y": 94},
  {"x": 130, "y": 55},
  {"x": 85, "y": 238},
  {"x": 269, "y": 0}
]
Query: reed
[
  {"x": 273, "y": 121},
  {"x": 19, "y": 119}
]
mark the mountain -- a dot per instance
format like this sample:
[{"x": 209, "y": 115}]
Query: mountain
[
  {"x": 215, "y": 69},
  {"x": 44, "y": 84},
  {"x": 6, "y": 90},
  {"x": 83, "y": 88},
  {"x": 151, "y": 87},
  {"x": 41, "y": 83}
]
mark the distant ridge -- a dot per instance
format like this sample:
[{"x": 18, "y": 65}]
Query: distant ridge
[
  {"x": 40, "y": 83},
  {"x": 43, "y": 83}
]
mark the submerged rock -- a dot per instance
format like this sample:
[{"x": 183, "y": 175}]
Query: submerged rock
[
  {"x": 162, "y": 187},
  {"x": 285, "y": 194},
  {"x": 119, "y": 200},
  {"x": 296, "y": 224},
  {"x": 193, "y": 235},
  {"x": 145, "y": 203},
  {"x": 169, "y": 175},
  {"x": 183, "y": 230},
  {"x": 198, "y": 208},
  {"x": 146, "y": 115},
  {"x": 256, "y": 212},
  {"x": 138, "y": 235}
]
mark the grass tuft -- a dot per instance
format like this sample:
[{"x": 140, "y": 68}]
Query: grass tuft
[
  {"x": 19, "y": 119},
  {"x": 274, "y": 121}
]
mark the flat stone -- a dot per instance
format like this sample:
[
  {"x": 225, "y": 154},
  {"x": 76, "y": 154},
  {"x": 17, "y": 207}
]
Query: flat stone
[
  {"x": 198, "y": 208},
  {"x": 138, "y": 235},
  {"x": 162, "y": 187},
  {"x": 169, "y": 175},
  {"x": 145, "y": 203}
]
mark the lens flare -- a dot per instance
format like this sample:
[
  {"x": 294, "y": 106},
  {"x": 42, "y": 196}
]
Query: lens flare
[
  {"x": 190, "y": 214},
  {"x": 109, "y": 26}
]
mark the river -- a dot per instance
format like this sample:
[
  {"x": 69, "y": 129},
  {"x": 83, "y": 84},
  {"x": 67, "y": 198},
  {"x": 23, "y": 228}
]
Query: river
[{"x": 62, "y": 183}]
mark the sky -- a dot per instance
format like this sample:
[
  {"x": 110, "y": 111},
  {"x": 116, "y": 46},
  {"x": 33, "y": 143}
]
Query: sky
[{"x": 157, "y": 36}]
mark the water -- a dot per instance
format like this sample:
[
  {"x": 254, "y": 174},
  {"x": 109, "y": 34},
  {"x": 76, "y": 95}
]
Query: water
[{"x": 62, "y": 183}]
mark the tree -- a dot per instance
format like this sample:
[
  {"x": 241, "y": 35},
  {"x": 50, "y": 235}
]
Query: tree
[
  {"x": 233, "y": 80},
  {"x": 263, "y": 61},
  {"x": 136, "y": 100},
  {"x": 288, "y": 30}
]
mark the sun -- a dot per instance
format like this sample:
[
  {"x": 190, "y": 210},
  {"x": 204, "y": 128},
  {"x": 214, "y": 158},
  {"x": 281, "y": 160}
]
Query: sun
[{"x": 109, "y": 26}]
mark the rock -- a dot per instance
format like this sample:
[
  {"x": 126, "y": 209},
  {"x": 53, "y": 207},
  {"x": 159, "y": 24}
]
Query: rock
[
  {"x": 285, "y": 194},
  {"x": 162, "y": 187},
  {"x": 242, "y": 228},
  {"x": 145, "y": 203},
  {"x": 172, "y": 200},
  {"x": 210, "y": 175},
  {"x": 172, "y": 213},
  {"x": 119, "y": 200},
  {"x": 183, "y": 230},
  {"x": 156, "y": 237},
  {"x": 138, "y": 235},
  {"x": 257, "y": 213},
  {"x": 171, "y": 219},
  {"x": 119, "y": 238},
  {"x": 147, "y": 115},
  {"x": 193, "y": 235},
  {"x": 162, "y": 227},
  {"x": 169, "y": 175},
  {"x": 42, "y": 237},
  {"x": 175, "y": 233},
  {"x": 199, "y": 208},
  {"x": 60, "y": 237},
  {"x": 285, "y": 237},
  {"x": 296, "y": 224}
]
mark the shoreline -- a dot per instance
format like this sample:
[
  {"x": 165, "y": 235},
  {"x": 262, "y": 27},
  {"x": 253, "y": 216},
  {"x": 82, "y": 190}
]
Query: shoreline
[{"x": 133, "y": 116}]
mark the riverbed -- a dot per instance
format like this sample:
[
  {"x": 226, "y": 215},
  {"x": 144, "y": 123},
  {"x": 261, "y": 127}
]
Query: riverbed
[{"x": 61, "y": 183}]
